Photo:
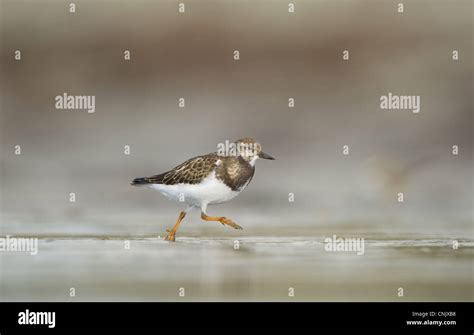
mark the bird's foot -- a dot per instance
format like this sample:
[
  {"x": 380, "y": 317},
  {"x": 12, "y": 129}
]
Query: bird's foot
[
  {"x": 229, "y": 222},
  {"x": 170, "y": 236}
]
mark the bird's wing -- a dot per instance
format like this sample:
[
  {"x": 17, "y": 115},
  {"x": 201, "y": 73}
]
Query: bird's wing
[{"x": 193, "y": 171}]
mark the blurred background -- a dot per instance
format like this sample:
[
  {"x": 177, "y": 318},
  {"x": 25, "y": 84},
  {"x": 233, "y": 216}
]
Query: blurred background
[{"x": 190, "y": 55}]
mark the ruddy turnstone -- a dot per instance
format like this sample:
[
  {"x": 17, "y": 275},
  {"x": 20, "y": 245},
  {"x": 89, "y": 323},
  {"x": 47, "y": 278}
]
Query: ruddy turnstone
[{"x": 209, "y": 179}]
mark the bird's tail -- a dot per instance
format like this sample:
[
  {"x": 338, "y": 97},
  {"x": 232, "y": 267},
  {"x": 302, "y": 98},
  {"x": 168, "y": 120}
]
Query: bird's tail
[{"x": 140, "y": 181}]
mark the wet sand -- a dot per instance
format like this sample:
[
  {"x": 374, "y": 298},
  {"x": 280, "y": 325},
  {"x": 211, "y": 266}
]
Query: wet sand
[{"x": 263, "y": 268}]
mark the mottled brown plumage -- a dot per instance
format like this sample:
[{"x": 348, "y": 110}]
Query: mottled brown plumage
[
  {"x": 193, "y": 171},
  {"x": 235, "y": 172}
]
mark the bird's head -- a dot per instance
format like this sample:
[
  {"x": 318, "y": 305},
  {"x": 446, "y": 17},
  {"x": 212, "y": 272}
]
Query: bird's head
[{"x": 250, "y": 150}]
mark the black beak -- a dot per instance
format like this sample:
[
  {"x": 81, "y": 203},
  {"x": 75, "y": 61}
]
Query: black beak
[{"x": 265, "y": 156}]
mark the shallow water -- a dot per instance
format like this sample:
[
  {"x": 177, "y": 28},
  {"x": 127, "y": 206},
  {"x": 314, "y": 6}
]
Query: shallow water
[{"x": 262, "y": 269}]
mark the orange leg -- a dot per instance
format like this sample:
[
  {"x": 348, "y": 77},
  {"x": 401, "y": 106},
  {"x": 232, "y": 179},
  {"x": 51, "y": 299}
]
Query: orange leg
[
  {"x": 172, "y": 233},
  {"x": 221, "y": 219}
]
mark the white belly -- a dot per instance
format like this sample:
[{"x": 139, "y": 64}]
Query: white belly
[{"x": 209, "y": 191}]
